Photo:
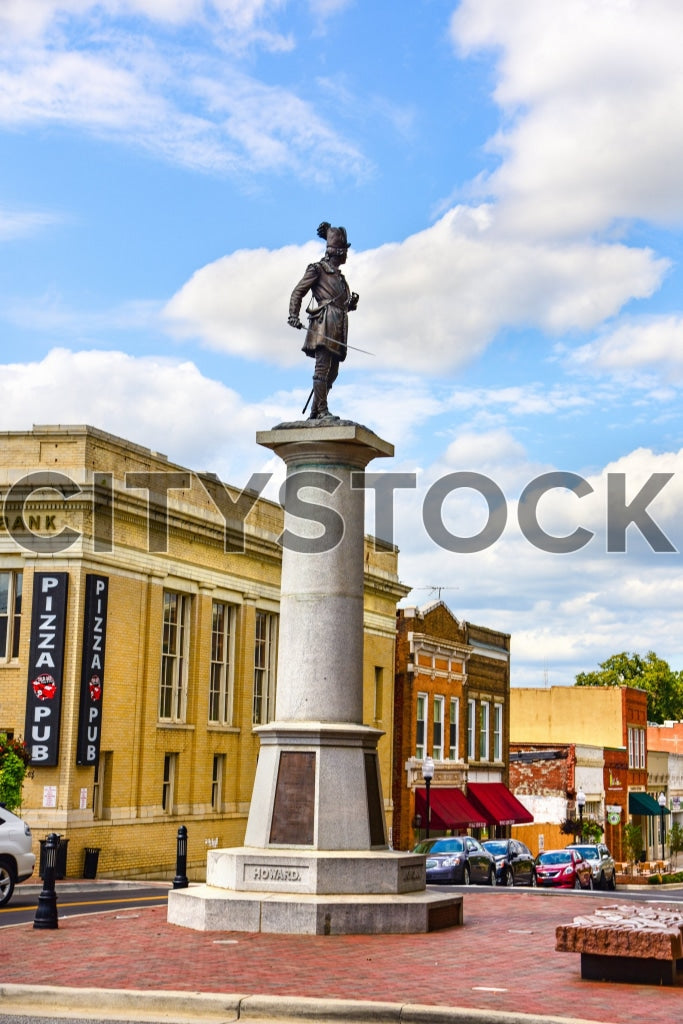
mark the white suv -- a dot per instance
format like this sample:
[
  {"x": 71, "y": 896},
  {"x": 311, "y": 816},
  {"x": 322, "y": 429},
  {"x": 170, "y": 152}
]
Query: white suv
[
  {"x": 602, "y": 865},
  {"x": 17, "y": 860}
]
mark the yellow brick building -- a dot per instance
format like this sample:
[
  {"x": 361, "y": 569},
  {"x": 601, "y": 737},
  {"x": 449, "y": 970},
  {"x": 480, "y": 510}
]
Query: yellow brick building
[{"x": 191, "y": 570}]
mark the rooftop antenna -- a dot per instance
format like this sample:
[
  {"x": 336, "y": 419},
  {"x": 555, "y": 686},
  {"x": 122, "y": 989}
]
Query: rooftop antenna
[{"x": 436, "y": 590}]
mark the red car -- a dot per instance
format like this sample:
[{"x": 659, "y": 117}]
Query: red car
[{"x": 563, "y": 869}]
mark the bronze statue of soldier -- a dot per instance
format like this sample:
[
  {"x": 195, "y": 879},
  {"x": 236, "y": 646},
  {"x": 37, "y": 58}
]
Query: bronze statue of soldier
[{"x": 327, "y": 313}]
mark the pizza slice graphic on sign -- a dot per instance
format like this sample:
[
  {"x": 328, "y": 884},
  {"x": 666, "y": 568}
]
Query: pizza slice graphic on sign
[{"x": 44, "y": 686}]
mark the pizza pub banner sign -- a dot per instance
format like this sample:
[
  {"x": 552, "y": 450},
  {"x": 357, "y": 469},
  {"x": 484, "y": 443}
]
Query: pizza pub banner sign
[
  {"x": 46, "y": 667},
  {"x": 92, "y": 670}
]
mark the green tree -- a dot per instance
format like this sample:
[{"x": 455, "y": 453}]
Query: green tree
[
  {"x": 664, "y": 686},
  {"x": 13, "y": 760},
  {"x": 633, "y": 841},
  {"x": 676, "y": 840}
]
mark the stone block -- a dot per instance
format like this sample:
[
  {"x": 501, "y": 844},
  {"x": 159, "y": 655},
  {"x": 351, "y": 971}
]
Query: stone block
[{"x": 205, "y": 908}]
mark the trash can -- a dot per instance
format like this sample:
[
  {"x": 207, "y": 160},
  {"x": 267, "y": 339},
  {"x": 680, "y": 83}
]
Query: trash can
[
  {"x": 60, "y": 859},
  {"x": 90, "y": 859}
]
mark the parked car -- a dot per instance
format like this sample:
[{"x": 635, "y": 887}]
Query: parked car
[
  {"x": 514, "y": 861},
  {"x": 601, "y": 862},
  {"x": 17, "y": 860},
  {"x": 563, "y": 869},
  {"x": 458, "y": 860}
]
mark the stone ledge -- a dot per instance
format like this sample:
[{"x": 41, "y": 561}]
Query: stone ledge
[
  {"x": 206, "y": 908},
  {"x": 315, "y": 872}
]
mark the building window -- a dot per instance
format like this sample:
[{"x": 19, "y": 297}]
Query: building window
[
  {"x": 379, "y": 692},
  {"x": 454, "y": 724},
  {"x": 420, "y": 733},
  {"x": 222, "y": 663},
  {"x": 437, "y": 729},
  {"x": 636, "y": 748},
  {"x": 11, "y": 584},
  {"x": 484, "y": 731},
  {"x": 497, "y": 732},
  {"x": 471, "y": 738},
  {"x": 265, "y": 661},
  {"x": 174, "y": 657},
  {"x": 99, "y": 783},
  {"x": 217, "y": 782},
  {"x": 168, "y": 788}
]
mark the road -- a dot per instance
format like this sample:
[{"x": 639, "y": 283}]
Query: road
[
  {"x": 83, "y": 900},
  {"x": 649, "y": 894}
]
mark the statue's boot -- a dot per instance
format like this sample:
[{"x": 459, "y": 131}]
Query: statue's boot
[{"x": 319, "y": 407}]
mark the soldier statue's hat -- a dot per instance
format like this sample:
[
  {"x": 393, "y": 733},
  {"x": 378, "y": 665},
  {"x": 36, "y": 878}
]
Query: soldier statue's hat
[{"x": 335, "y": 237}]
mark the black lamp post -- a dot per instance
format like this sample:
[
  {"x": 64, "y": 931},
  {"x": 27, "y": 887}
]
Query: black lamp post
[
  {"x": 661, "y": 800},
  {"x": 428, "y": 775},
  {"x": 581, "y": 803}
]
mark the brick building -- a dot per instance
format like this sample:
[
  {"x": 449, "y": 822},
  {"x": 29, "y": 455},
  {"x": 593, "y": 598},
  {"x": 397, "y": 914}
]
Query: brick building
[
  {"x": 665, "y": 775},
  {"x": 138, "y": 645},
  {"x": 452, "y": 704},
  {"x": 546, "y": 779},
  {"x": 611, "y": 720}
]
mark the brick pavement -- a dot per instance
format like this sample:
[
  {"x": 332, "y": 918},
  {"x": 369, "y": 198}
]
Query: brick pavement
[{"x": 502, "y": 959}]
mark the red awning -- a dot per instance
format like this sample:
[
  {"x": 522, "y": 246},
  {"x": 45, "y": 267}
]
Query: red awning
[
  {"x": 497, "y": 804},
  {"x": 450, "y": 809}
]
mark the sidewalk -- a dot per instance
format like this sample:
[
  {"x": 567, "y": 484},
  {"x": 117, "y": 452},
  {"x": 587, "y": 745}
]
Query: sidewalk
[{"x": 501, "y": 962}]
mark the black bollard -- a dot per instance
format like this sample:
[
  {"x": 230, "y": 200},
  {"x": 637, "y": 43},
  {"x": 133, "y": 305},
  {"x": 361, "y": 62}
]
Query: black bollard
[
  {"x": 46, "y": 914},
  {"x": 180, "y": 881}
]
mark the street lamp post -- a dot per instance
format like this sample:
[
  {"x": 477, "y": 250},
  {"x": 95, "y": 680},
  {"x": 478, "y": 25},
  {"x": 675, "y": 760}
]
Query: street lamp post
[
  {"x": 581, "y": 803},
  {"x": 428, "y": 775},
  {"x": 661, "y": 800}
]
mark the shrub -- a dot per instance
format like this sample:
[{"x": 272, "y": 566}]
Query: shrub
[
  {"x": 14, "y": 757},
  {"x": 672, "y": 879}
]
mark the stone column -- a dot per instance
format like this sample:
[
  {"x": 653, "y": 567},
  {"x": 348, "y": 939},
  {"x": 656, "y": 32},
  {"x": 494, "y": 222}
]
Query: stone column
[{"x": 317, "y": 782}]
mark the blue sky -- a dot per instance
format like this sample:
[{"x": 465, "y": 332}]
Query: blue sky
[{"x": 509, "y": 177}]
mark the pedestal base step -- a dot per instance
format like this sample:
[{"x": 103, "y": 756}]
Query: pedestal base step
[{"x": 207, "y": 908}]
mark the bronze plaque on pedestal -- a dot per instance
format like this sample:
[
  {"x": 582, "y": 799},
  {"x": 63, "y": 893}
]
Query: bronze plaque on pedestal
[
  {"x": 294, "y": 805},
  {"x": 375, "y": 815}
]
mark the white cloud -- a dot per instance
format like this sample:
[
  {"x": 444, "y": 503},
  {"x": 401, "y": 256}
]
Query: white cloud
[
  {"x": 27, "y": 18},
  {"x": 527, "y": 400},
  {"x": 652, "y": 343},
  {"x": 165, "y": 404},
  {"x": 83, "y": 64},
  {"x": 589, "y": 90},
  {"x": 429, "y": 304},
  {"x": 19, "y": 223}
]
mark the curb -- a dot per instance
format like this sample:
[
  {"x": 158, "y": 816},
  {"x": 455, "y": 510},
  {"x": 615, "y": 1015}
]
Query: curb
[{"x": 215, "y": 1006}]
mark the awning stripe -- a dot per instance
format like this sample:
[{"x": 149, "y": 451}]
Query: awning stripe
[
  {"x": 450, "y": 809},
  {"x": 495, "y": 801}
]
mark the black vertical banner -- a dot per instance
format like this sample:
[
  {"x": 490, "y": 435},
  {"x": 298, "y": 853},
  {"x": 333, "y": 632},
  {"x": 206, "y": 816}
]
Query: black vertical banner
[
  {"x": 46, "y": 667},
  {"x": 92, "y": 670}
]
